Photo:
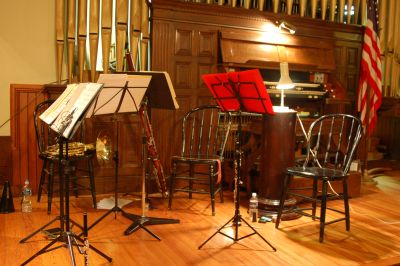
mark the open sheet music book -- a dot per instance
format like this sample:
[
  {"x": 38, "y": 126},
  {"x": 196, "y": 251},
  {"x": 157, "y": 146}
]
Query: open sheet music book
[
  {"x": 67, "y": 112},
  {"x": 121, "y": 93}
]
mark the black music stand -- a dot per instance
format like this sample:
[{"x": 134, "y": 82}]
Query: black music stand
[
  {"x": 160, "y": 94},
  {"x": 65, "y": 117},
  {"x": 237, "y": 92},
  {"x": 121, "y": 94}
]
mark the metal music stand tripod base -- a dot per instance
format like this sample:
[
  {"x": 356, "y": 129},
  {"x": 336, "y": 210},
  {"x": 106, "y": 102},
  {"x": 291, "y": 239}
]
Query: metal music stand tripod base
[
  {"x": 115, "y": 209},
  {"x": 140, "y": 221},
  {"x": 65, "y": 235},
  {"x": 236, "y": 221},
  {"x": 234, "y": 92}
]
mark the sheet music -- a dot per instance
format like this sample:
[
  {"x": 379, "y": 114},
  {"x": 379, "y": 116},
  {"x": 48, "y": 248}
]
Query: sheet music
[
  {"x": 55, "y": 109},
  {"x": 121, "y": 93},
  {"x": 75, "y": 108}
]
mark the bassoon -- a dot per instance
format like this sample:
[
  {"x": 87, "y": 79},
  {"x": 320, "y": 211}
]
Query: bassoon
[{"x": 152, "y": 151}]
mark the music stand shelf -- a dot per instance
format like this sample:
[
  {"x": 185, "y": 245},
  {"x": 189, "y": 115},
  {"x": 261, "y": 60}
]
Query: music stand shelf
[
  {"x": 128, "y": 93},
  {"x": 64, "y": 116},
  {"x": 239, "y": 92}
]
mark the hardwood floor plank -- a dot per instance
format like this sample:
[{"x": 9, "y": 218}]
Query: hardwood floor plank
[{"x": 372, "y": 239}]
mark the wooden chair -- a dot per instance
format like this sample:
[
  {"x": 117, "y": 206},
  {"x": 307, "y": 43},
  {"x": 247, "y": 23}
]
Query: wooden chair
[
  {"x": 331, "y": 144},
  {"x": 205, "y": 131},
  {"x": 49, "y": 153}
]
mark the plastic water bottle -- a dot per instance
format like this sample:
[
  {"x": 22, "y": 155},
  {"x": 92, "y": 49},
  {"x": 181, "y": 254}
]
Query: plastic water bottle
[
  {"x": 253, "y": 207},
  {"x": 26, "y": 198}
]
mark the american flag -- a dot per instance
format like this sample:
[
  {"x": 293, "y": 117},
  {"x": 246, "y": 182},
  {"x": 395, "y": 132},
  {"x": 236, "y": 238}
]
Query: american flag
[{"x": 371, "y": 75}]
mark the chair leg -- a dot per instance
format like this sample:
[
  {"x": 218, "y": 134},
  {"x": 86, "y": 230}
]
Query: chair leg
[
  {"x": 191, "y": 174},
  {"x": 346, "y": 203},
  {"x": 323, "y": 211},
  {"x": 212, "y": 189},
  {"x": 74, "y": 180},
  {"x": 286, "y": 182},
  {"x": 171, "y": 185},
  {"x": 42, "y": 179},
  {"x": 314, "y": 197},
  {"x": 221, "y": 192},
  {"x": 92, "y": 183},
  {"x": 50, "y": 184}
]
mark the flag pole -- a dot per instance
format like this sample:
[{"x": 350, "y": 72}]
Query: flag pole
[{"x": 366, "y": 178}]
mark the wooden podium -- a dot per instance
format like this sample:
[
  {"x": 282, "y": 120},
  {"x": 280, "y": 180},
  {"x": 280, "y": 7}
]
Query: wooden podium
[{"x": 277, "y": 153}]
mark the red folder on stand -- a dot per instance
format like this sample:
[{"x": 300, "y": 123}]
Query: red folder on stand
[{"x": 243, "y": 91}]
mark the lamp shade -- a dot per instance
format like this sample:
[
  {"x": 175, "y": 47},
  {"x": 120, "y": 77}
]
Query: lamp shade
[{"x": 285, "y": 82}]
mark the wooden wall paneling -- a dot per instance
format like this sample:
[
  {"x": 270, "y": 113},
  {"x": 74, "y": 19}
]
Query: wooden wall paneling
[
  {"x": 130, "y": 145},
  {"x": 129, "y": 150},
  {"x": 24, "y": 152},
  {"x": 347, "y": 58},
  {"x": 165, "y": 123}
]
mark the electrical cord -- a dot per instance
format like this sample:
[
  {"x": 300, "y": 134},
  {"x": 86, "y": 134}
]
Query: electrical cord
[{"x": 26, "y": 106}]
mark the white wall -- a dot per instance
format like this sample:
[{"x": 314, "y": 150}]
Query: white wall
[{"x": 27, "y": 48}]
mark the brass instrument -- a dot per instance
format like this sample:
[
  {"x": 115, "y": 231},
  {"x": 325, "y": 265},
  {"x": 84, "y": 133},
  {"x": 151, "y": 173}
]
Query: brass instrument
[
  {"x": 104, "y": 148},
  {"x": 74, "y": 149}
]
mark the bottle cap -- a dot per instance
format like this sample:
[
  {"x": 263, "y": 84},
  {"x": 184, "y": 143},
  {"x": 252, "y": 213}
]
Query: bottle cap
[{"x": 254, "y": 194}]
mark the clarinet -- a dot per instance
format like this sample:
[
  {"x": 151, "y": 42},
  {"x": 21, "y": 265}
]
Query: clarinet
[{"x": 86, "y": 245}]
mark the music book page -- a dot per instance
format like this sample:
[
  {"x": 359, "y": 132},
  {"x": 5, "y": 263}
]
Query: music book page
[
  {"x": 72, "y": 114},
  {"x": 54, "y": 110}
]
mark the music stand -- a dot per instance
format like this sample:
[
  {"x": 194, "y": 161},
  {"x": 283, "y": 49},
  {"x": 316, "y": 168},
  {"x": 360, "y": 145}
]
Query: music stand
[
  {"x": 160, "y": 94},
  {"x": 237, "y": 92},
  {"x": 64, "y": 117},
  {"x": 121, "y": 94}
]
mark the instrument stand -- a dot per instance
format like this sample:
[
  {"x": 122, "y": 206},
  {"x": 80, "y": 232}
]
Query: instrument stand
[
  {"x": 116, "y": 208},
  {"x": 65, "y": 236},
  {"x": 140, "y": 221},
  {"x": 229, "y": 91}
]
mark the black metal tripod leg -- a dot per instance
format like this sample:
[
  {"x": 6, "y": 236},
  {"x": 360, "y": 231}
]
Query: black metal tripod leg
[
  {"x": 255, "y": 232},
  {"x": 94, "y": 249},
  {"x": 43, "y": 250},
  {"x": 38, "y": 230},
  {"x": 150, "y": 232},
  {"x": 216, "y": 232},
  {"x": 70, "y": 248}
]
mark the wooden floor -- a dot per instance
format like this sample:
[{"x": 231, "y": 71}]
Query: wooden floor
[{"x": 373, "y": 238}]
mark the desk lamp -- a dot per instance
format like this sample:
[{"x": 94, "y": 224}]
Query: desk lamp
[{"x": 285, "y": 82}]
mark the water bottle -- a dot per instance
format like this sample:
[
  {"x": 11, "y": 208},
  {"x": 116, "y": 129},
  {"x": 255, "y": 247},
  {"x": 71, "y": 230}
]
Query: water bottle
[
  {"x": 253, "y": 207},
  {"x": 26, "y": 198}
]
